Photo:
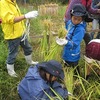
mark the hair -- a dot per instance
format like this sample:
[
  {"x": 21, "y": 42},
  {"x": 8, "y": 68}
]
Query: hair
[{"x": 42, "y": 73}]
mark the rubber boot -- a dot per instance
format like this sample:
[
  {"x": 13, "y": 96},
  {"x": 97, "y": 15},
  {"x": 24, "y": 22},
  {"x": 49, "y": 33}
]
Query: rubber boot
[
  {"x": 10, "y": 69},
  {"x": 30, "y": 61}
]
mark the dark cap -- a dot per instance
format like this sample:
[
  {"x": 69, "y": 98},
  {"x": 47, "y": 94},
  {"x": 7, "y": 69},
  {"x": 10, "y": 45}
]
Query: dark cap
[
  {"x": 53, "y": 67},
  {"x": 79, "y": 10}
]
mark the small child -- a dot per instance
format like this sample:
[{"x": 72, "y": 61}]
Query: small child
[
  {"x": 76, "y": 30},
  {"x": 39, "y": 79},
  {"x": 15, "y": 33}
]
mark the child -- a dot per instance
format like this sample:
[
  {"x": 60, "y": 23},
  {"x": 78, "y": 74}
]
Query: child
[
  {"x": 76, "y": 30},
  {"x": 40, "y": 78},
  {"x": 14, "y": 31}
]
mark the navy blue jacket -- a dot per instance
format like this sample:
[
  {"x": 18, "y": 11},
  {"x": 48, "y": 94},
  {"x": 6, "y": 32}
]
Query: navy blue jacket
[{"x": 32, "y": 86}]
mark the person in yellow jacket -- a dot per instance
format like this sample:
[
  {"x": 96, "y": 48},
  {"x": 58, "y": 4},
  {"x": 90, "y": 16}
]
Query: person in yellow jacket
[{"x": 14, "y": 32}]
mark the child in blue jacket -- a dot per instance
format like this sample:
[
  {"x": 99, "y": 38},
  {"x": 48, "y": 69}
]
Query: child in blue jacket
[
  {"x": 40, "y": 78},
  {"x": 76, "y": 31}
]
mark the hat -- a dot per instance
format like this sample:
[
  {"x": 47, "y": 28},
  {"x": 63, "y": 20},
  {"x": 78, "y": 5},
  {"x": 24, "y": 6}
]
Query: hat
[
  {"x": 79, "y": 10},
  {"x": 53, "y": 67}
]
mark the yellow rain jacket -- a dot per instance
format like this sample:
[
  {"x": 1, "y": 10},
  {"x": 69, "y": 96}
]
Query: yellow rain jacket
[{"x": 8, "y": 11}]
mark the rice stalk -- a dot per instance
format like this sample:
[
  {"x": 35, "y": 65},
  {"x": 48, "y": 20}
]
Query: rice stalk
[
  {"x": 89, "y": 97},
  {"x": 48, "y": 96},
  {"x": 97, "y": 87},
  {"x": 47, "y": 25},
  {"x": 57, "y": 95},
  {"x": 54, "y": 52},
  {"x": 55, "y": 49},
  {"x": 81, "y": 83},
  {"x": 62, "y": 32},
  {"x": 69, "y": 79},
  {"x": 44, "y": 45}
]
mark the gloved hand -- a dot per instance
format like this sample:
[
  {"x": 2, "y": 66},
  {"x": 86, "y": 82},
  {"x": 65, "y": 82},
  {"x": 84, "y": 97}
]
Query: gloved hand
[
  {"x": 61, "y": 41},
  {"x": 98, "y": 4},
  {"x": 31, "y": 14}
]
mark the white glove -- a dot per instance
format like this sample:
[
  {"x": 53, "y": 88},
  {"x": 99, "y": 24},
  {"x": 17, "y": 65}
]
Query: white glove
[
  {"x": 98, "y": 4},
  {"x": 31, "y": 14},
  {"x": 61, "y": 41}
]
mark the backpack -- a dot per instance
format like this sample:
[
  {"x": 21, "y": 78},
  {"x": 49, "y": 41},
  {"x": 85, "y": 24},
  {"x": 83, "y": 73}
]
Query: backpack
[{"x": 93, "y": 50}]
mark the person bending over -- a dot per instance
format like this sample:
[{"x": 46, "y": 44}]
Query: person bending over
[{"x": 40, "y": 79}]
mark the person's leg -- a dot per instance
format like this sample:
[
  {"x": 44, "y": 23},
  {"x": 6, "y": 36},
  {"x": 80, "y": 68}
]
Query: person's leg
[
  {"x": 13, "y": 50},
  {"x": 94, "y": 26},
  {"x": 27, "y": 51},
  {"x": 87, "y": 38},
  {"x": 98, "y": 35},
  {"x": 73, "y": 64}
]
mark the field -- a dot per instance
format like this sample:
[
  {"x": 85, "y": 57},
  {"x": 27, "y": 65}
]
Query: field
[{"x": 43, "y": 31}]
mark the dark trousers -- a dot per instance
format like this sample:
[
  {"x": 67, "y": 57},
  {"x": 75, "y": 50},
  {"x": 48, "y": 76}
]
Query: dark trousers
[{"x": 72, "y": 64}]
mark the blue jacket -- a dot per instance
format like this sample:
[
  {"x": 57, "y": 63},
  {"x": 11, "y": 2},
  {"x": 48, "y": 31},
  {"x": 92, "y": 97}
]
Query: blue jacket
[
  {"x": 71, "y": 51},
  {"x": 32, "y": 86}
]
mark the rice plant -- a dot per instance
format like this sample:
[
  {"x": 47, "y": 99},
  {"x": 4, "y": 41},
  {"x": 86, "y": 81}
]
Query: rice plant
[
  {"x": 69, "y": 72},
  {"x": 44, "y": 45},
  {"x": 55, "y": 50}
]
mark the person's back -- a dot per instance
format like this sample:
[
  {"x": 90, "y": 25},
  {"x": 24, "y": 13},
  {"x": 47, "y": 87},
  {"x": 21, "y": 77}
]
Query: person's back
[
  {"x": 10, "y": 30},
  {"x": 92, "y": 54},
  {"x": 93, "y": 49}
]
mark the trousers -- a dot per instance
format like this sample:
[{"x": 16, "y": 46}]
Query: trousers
[{"x": 13, "y": 46}]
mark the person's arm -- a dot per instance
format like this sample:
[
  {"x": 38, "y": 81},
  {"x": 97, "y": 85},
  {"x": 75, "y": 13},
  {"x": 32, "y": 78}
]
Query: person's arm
[
  {"x": 90, "y": 9},
  {"x": 76, "y": 39},
  {"x": 67, "y": 12},
  {"x": 31, "y": 14},
  {"x": 95, "y": 4},
  {"x": 18, "y": 19},
  {"x": 60, "y": 90},
  {"x": 98, "y": 5},
  {"x": 93, "y": 10}
]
